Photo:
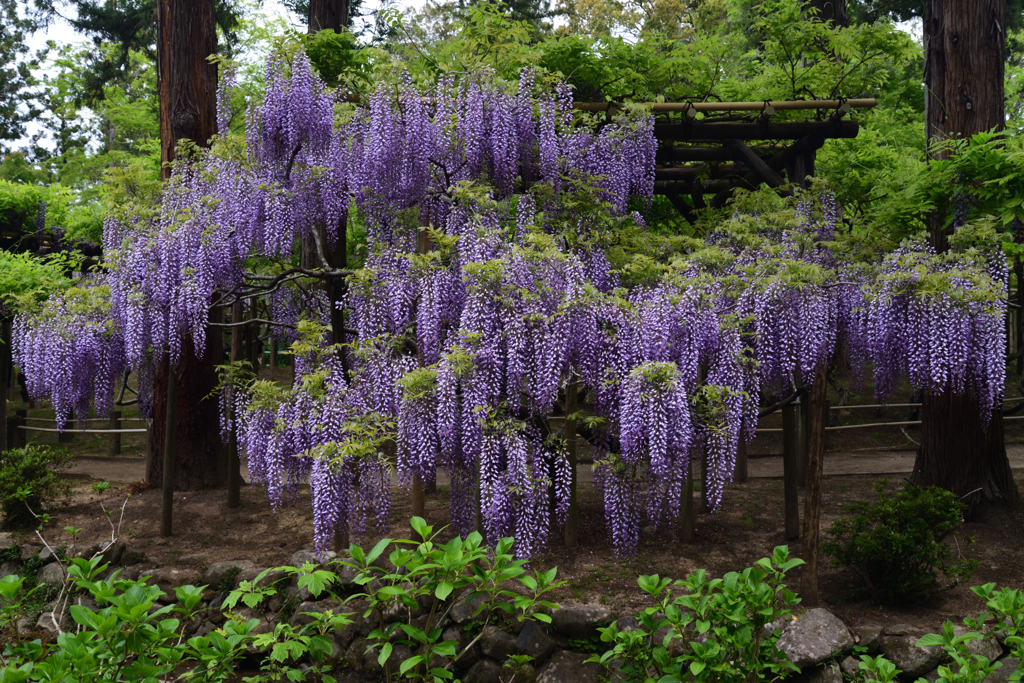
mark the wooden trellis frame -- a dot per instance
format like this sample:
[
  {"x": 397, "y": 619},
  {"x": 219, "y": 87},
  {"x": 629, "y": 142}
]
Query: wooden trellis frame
[{"x": 713, "y": 157}]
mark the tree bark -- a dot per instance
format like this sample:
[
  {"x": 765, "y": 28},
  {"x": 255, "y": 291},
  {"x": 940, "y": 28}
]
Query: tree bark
[
  {"x": 186, "y": 80},
  {"x": 187, "y": 86},
  {"x": 964, "y": 57},
  {"x": 830, "y": 10},
  {"x": 199, "y": 457},
  {"x": 959, "y": 454},
  {"x": 328, "y": 14}
]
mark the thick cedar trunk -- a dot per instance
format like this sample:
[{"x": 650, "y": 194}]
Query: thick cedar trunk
[
  {"x": 958, "y": 454},
  {"x": 199, "y": 456},
  {"x": 831, "y": 10},
  {"x": 964, "y": 56},
  {"x": 817, "y": 418},
  {"x": 187, "y": 85},
  {"x": 187, "y": 82},
  {"x": 324, "y": 14}
]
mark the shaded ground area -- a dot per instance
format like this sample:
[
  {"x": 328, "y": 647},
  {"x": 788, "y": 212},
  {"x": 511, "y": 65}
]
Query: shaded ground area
[{"x": 748, "y": 526}]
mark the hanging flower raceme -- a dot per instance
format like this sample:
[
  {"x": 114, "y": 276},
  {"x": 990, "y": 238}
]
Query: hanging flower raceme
[
  {"x": 938, "y": 320},
  {"x": 71, "y": 351}
]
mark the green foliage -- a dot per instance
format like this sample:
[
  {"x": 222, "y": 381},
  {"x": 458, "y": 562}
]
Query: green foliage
[
  {"x": 704, "y": 629},
  {"x": 25, "y": 281},
  {"x": 30, "y": 478},
  {"x": 422, "y": 571},
  {"x": 896, "y": 545}
]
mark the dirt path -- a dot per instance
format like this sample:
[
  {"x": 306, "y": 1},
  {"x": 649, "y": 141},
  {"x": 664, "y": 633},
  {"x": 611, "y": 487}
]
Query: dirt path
[{"x": 127, "y": 469}]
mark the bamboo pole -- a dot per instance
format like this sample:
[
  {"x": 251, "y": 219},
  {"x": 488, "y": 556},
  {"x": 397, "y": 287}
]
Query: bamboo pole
[
  {"x": 790, "y": 444},
  {"x": 114, "y": 439},
  {"x": 167, "y": 500},
  {"x": 782, "y": 105},
  {"x": 686, "y": 526},
  {"x": 234, "y": 462},
  {"x": 572, "y": 520},
  {"x": 741, "y": 472},
  {"x": 5, "y": 375}
]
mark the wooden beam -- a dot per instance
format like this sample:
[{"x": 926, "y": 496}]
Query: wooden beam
[
  {"x": 682, "y": 207},
  {"x": 756, "y": 163},
  {"x": 704, "y": 130}
]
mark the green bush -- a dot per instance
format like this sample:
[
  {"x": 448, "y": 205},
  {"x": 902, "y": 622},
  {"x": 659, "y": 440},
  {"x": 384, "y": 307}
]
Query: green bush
[
  {"x": 30, "y": 478},
  {"x": 896, "y": 545},
  {"x": 707, "y": 630}
]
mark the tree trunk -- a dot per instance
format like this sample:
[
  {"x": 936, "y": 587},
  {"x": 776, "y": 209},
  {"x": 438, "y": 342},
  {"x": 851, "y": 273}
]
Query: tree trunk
[
  {"x": 964, "y": 57},
  {"x": 199, "y": 458},
  {"x": 958, "y": 454},
  {"x": 324, "y": 14},
  {"x": 830, "y": 10},
  {"x": 187, "y": 86},
  {"x": 186, "y": 81}
]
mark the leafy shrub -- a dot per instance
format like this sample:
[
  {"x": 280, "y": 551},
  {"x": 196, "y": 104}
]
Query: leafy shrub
[
  {"x": 896, "y": 545},
  {"x": 708, "y": 630},
  {"x": 30, "y": 478}
]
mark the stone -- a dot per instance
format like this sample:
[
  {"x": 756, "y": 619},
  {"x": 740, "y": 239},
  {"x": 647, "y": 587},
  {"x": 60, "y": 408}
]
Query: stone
[
  {"x": 46, "y": 555},
  {"x": 581, "y": 621},
  {"x": 215, "y": 573},
  {"x": 989, "y": 648},
  {"x": 627, "y": 624},
  {"x": 24, "y": 626},
  {"x": 294, "y": 593},
  {"x": 51, "y": 575},
  {"x": 1003, "y": 673},
  {"x": 362, "y": 625},
  {"x": 250, "y": 573},
  {"x": 167, "y": 579},
  {"x": 354, "y": 654},
  {"x": 912, "y": 660},
  {"x": 932, "y": 676},
  {"x": 9, "y": 569},
  {"x": 112, "y": 552},
  {"x": 497, "y": 644},
  {"x": 301, "y": 618},
  {"x": 5, "y": 542},
  {"x": 827, "y": 673},
  {"x": 850, "y": 667},
  {"x": 29, "y": 551},
  {"x": 814, "y": 637},
  {"x": 899, "y": 630},
  {"x": 569, "y": 667},
  {"x": 464, "y": 610},
  {"x": 342, "y": 639},
  {"x": 47, "y": 623},
  {"x": 205, "y": 628},
  {"x": 870, "y": 637},
  {"x": 535, "y": 642},
  {"x": 303, "y": 557},
  {"x": 484, "y": 671},
  {"x": 85, "y": 551}
]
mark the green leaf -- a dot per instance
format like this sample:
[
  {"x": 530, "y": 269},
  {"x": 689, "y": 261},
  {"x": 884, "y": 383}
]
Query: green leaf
[
  {"x": 443, "y": 590},
  {"x": 385, "y": 652}
]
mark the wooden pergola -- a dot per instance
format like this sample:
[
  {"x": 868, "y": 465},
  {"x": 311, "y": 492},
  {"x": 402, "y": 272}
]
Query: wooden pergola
[{"x": 714, "y": 156}]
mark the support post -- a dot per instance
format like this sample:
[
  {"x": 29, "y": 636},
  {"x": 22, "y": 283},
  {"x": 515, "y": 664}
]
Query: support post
[
  {"x": 416, "y": 500},
  {"x": 572, "y": 520},
  {"x": 167, "y": 499},
  {"x": 741, "y": 472},
  {"x": 686, "y": 527},
  {"x": 818, "y": 417},
  {"x": 5, "y": 375},
  {"x": 67, "y": 437},
  {"x": 114, "y": 439},
  {"x": 150, "y": 448},
  {"x": 790, "y": 441},
  {"x": 234, "y": 462},
  {"x": 801, "y": 459},
  {"x": 16, "y": 438},
  {"x": 273, "y": 358}
]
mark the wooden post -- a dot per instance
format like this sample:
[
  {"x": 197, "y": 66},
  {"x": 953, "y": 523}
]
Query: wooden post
[
  {"x": 16, "y": 438},
  {"x": 167, "y": 501},
  {"x": 572, "y": 520},
  {"x": 273, "y": 358},
  {"x": 150, "y": 448},
  {"x": 114, "y": 440},
  {"x": 790, "y": 441},
  {"x": 416, "y": 499},
  {"x": 686, "y": 527},
  {"x": 67, "y": 437},
  {"x": 234, "y": 462},
  {"x": 801, "y": 453},
  {"x": 741, "y": 472},
  {"x": 5, "y": 375},
  {"x": 818, "y": 414}
]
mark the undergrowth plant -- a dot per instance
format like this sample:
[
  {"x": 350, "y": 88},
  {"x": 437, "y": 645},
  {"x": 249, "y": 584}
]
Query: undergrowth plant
[
  {"x": 30, "y": 480},
  {"x": 703, "y": 629},
  {"x": 896, "y": 545}
]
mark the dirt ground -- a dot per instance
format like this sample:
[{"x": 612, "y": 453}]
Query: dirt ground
[{"x": 748, "y": 526}]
